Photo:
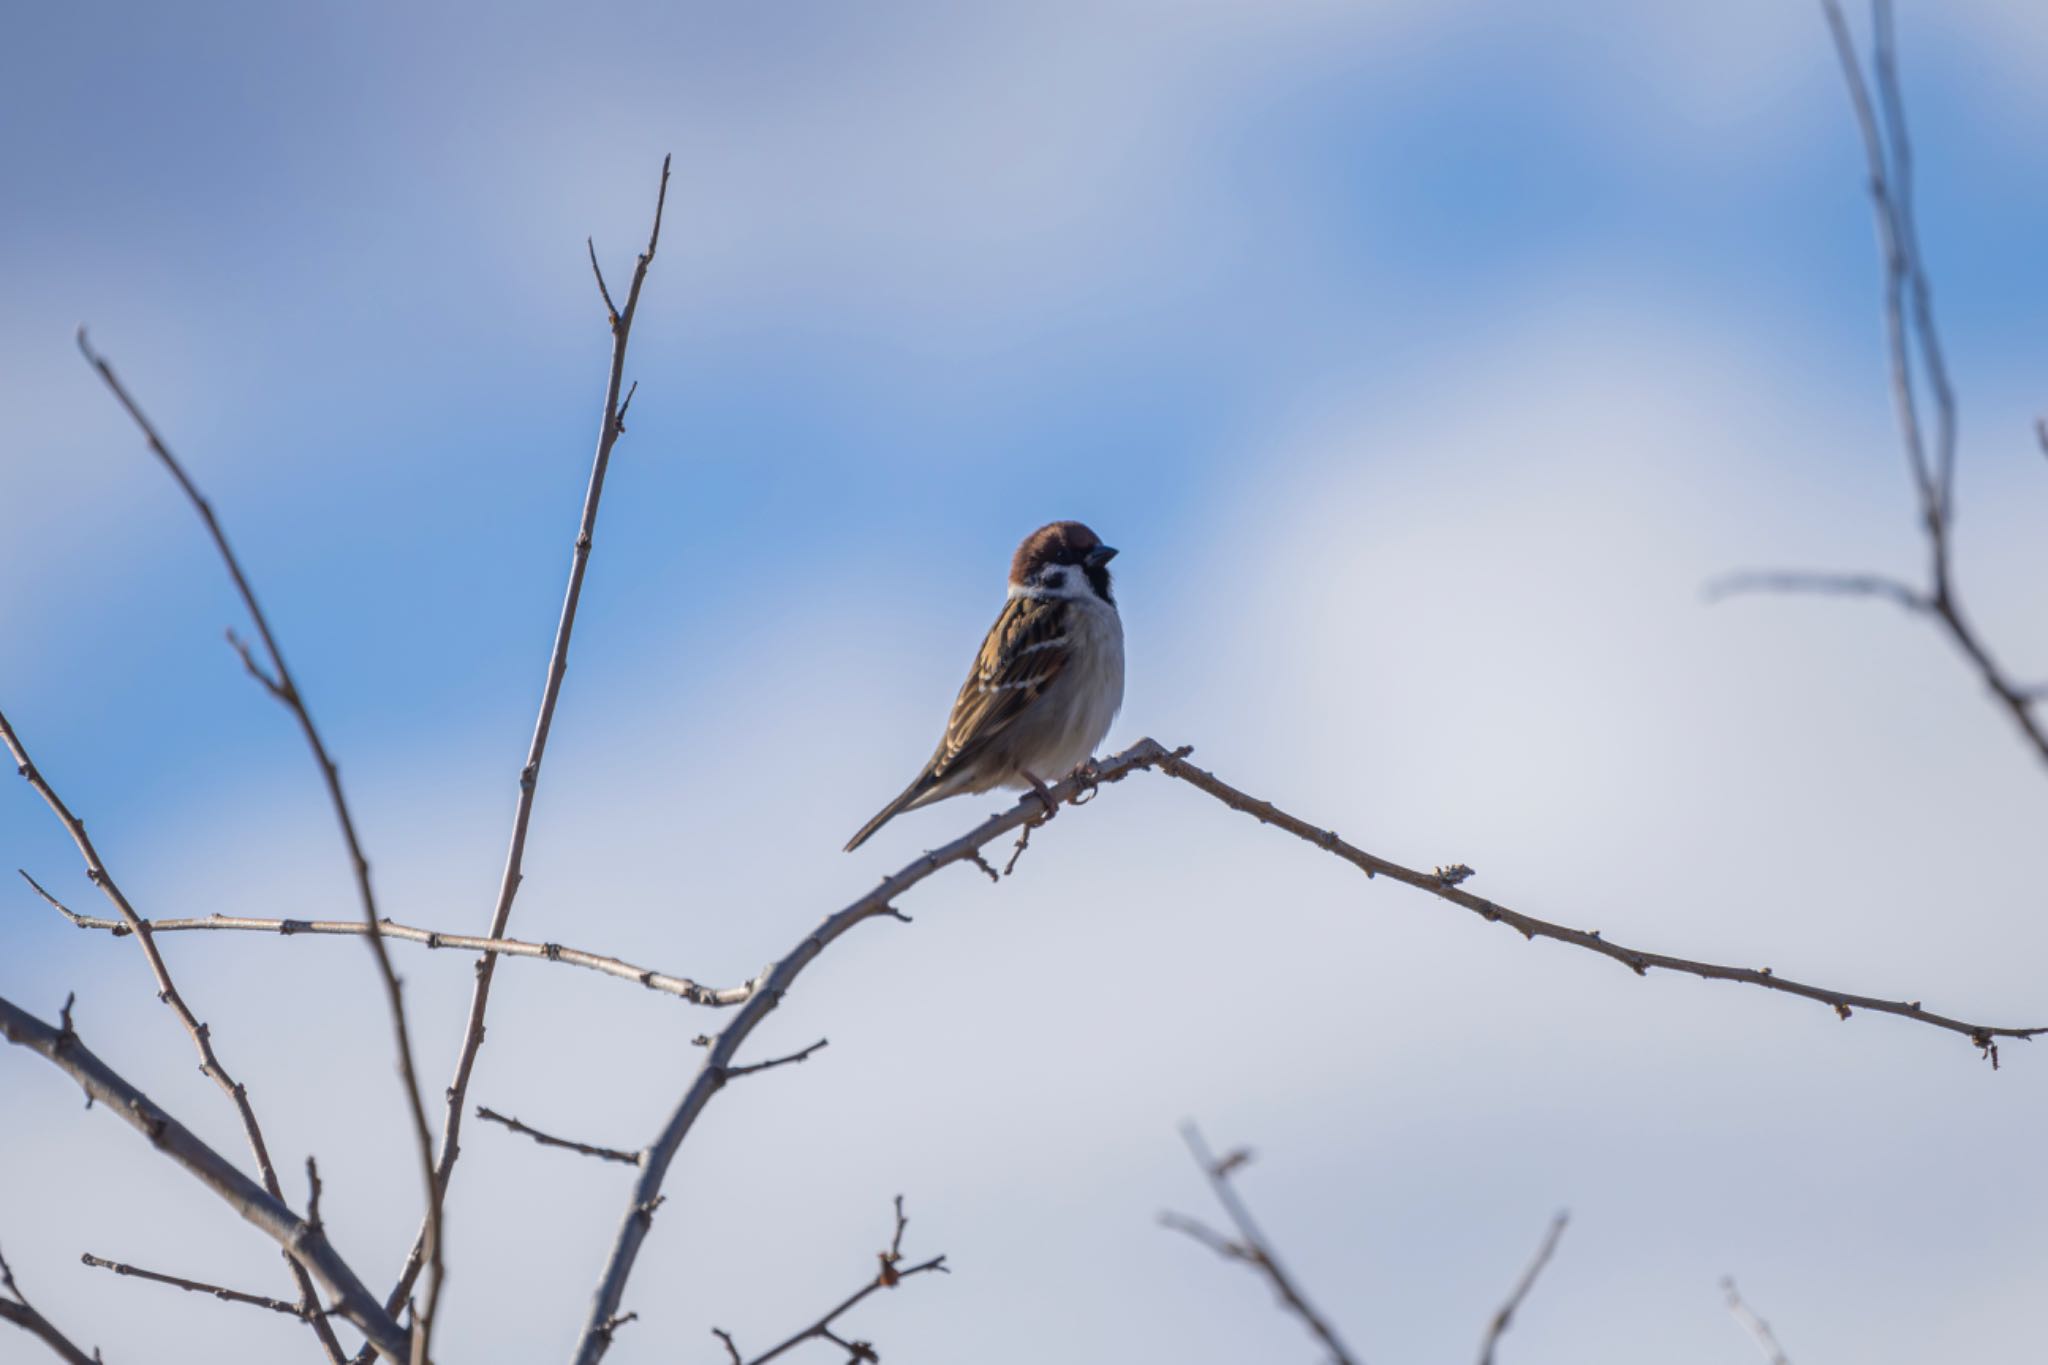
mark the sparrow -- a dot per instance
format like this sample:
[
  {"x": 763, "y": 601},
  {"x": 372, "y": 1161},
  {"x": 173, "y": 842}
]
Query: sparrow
[{"x": 1045, "y": 687}]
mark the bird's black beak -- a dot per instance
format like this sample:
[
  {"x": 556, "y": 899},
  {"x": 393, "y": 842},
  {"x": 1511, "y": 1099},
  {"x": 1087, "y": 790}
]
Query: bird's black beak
[{"x": 1100, "y": 556}]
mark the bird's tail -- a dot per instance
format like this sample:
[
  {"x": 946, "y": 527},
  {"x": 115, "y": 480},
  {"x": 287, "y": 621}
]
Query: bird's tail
[{"x": 920, "y": 788}]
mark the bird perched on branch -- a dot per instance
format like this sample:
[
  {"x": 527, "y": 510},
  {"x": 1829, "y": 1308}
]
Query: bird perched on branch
[{"x": 1048, "y": 681}]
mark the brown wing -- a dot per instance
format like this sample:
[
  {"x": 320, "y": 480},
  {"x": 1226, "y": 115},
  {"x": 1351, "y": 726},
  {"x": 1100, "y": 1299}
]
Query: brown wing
[{"x": 1025, "y": 650}]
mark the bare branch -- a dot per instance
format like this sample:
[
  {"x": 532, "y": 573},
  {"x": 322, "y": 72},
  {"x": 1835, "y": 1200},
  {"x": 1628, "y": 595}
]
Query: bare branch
[
  {"x": 429, "y": 938},
  {"x": 210, "y": 1064},
  {"x": 802, "y": 1056},
  {"x": 891, "y": 1274},
  {"x": 280, "y": 684},
  {"x": 17, "y": 1310},
  {"x": 1506, "y": 1315},
  {"x": 1759, "y": 1330},
  {"x": 1844, "y": 1003},
  {"x": 1819, "y": 584},
  {"x": 306, "y": 1244},
  {"x": 609, "y": 428},
  {"x": 547, "y": 1140},
  {"x": 199, "y": 1287},
  {"x": 1443, "y": 882},
  {"x": 1250, "y": 1246},
  {"x": 767, "y": 991},
  {"x": 1909, "y": 325}
]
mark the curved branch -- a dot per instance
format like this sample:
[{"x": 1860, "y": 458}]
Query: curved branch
[
  {"x": 767, "y": 991},
  {"x": 682, "y": 986},
  {"x": 305, "y": 1243}
]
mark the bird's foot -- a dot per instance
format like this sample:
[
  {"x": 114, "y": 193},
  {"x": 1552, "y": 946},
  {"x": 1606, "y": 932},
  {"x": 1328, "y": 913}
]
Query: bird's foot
[
  {"x": 1052, "y": 806},
  {"x": 1089, "y": 779}
]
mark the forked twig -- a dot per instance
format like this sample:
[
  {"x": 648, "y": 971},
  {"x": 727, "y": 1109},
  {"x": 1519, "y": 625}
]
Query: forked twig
[
  {"x": 1250, "y": 1245},
  {"x": 307, "y": 1244},
  {"x": 16, "y": 1308},
  {"x": 892, "y": 1273},
  {"x": 1909, "y": 329}
]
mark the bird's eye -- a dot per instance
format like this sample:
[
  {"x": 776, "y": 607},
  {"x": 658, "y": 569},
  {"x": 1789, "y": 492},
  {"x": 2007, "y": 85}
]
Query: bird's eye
[{"x": 1055, "y": 579}]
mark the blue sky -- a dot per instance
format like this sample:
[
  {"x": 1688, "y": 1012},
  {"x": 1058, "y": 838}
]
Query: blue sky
[{"x": 1422, "y": 359}]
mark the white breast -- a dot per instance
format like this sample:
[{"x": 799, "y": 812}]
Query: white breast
[{"x": 1084, "y": 700}]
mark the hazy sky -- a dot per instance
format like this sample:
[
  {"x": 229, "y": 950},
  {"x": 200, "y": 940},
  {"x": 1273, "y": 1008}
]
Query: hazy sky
[{"x": 1423, "y": 360}]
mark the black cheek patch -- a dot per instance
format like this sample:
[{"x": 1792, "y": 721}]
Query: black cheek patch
[{"x": 1054, "y": 580}]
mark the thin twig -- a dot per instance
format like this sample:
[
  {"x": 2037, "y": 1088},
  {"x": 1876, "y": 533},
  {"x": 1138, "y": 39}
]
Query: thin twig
[
  {"x": 17, "y": 1310},
  {"x": 1819, "y": 584},
  {"x": 307, "y": 1244},
  {"x": 1506, "y": 1314},
  {"x": 1759, "y": 1330},
  {"x": 167, "y": 991},
  {"x": 1250, "y": 1246},
  {"x": 198, "y": 1286},
  {"x": 281, "y": 685},
  {"x": 548, "y": 1140},
  {"x": 429, "y": 938},
  {"x": 802, "y": 1056},
  {"x": 610, "y": 426},
  {"x": 891, "y": 1274}
]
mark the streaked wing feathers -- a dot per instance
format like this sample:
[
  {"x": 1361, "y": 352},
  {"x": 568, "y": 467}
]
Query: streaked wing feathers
[{"x": 1025, "y": 650}]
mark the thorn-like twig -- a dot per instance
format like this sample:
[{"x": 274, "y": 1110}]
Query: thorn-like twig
[{"x": 777, "y": 1061}]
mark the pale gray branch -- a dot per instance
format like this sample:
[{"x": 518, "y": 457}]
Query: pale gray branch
[
  {"x": 680, "y": 986},
  {"x": 306, "y": 1244}
]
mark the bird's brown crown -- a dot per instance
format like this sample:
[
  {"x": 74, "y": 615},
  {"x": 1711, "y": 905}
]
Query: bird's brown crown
[{"x": 1060, "y": 542}]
